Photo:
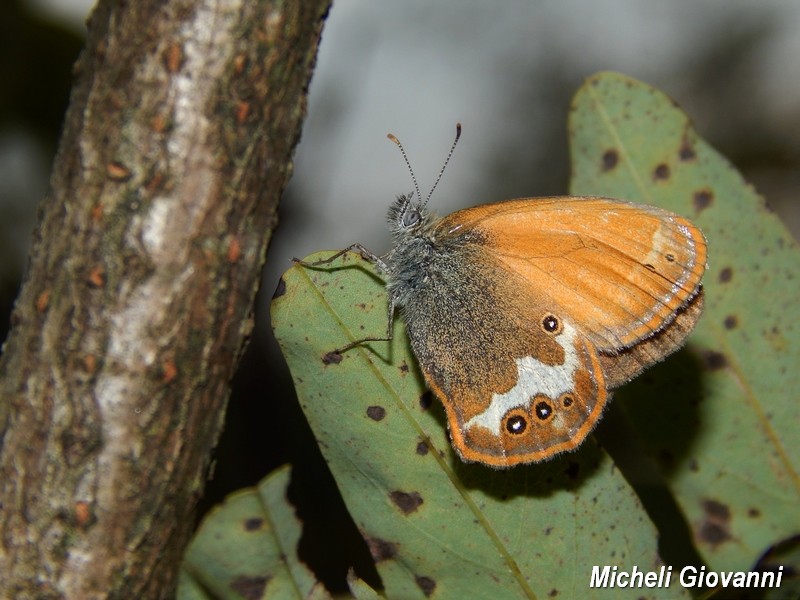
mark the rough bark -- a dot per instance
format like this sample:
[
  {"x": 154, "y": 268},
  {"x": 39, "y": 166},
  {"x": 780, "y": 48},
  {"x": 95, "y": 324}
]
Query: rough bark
[{"x": 137, "y": 302}]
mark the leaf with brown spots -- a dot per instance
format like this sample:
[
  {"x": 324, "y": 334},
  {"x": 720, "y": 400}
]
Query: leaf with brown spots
[
  {"x": 728, "y": 414},
  {"x": 248, "y": 545}
]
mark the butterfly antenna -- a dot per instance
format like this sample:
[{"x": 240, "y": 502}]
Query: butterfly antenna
[
  {"x": 447, "y": 160},
  {"x": 392, "y": 137}
]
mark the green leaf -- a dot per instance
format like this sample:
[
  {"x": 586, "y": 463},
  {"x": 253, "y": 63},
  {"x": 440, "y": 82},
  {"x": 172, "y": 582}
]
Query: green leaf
[
  {"x": 433, "y": 523},
  {"x": 247, "y": 548},
  {"x": 359, "y": 589},
  {"x": 725, "y": 433}
]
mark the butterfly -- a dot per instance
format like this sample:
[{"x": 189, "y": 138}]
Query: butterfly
[{"x": 524, "y": 314}]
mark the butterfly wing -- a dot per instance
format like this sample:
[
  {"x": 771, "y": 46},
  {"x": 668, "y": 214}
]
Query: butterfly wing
[
  {"x": 539, "y": 306},
  {"x": 518, "y": 383},
  {"x": 549, "y": 409},
  {"x": 527, "y": 311},
  {"x": 621, "y": 270}
]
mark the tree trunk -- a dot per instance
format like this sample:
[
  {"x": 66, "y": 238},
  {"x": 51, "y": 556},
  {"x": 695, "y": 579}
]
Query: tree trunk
[{"x": 137, "y": 302}]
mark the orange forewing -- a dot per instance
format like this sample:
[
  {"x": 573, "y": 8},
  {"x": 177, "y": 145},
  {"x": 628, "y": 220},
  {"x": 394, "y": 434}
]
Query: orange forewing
[{"x": 620, "y": 270}]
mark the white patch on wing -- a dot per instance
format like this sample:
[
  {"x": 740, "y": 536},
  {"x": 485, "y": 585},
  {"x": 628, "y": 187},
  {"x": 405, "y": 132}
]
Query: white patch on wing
[{"x": 533, "y": 377}]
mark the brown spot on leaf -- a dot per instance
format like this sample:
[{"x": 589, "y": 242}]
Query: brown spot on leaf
[
  {"x": 661, "y": 172},
  {"x": 422, "y": 448},
  {"x": 753, "y": 513},
  {"x": 610, "y": 159},
  {"x": 702, "y": 199},
  {"x": 717, "y": 509},
  {"x": 332, "y": 358},
  {"x": 253, "y": 524},
  {"x": 715, "y": 527},
  {"x": 376, "y": 413},
  {"x": 426, "y": 584},
  {"x": 380, "y": 549},
  {"x": 408, "y": 502},
  {"x": 714, "y": 360},
  {"x": 280, "y": 289},
  {"x": 686, "y": 151},
  {"x": 553, "y": 593},
  {"x": 404, "y": 367},
  {"x": 250, "y": 587},
  {"x": 731, "y": 322},
  {"x": 713, "y": 533},
  {"x": 725, "y": 275}
]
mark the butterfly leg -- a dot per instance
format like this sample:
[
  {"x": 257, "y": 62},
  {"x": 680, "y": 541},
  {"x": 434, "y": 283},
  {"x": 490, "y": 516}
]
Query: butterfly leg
[
  {"x": 364, "y": 252},
  {"x": 381, "y": 265},
  {"x": 385, "y": 338}
]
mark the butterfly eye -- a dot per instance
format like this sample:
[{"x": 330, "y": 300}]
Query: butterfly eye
[
  {"x": 411, "y": 217},
  {"x": 516, "y": 425},
  {"x": 551, "y": 324},
  {"x": 543, "y": 410}
]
